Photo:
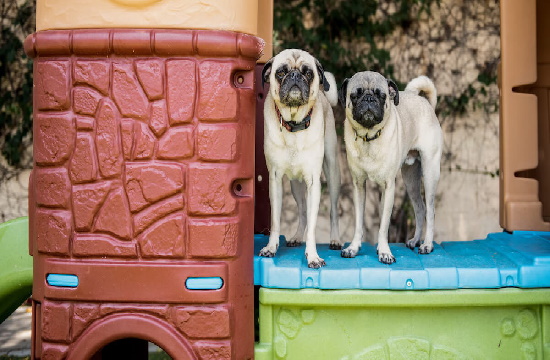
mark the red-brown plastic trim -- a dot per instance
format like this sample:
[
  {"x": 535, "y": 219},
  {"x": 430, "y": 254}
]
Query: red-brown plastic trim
[
  {"x": 122, "y": 282},
  {"x": 143, "y": 43}
]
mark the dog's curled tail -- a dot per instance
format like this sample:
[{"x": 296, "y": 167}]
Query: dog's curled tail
[
  {"x": 332, "y": 93},
  {"x": 425, "y": 87}
]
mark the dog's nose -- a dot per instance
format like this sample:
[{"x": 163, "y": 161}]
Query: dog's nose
[
  {"x": 370, "y": 98},
  {"x": 294, "y": 74}
]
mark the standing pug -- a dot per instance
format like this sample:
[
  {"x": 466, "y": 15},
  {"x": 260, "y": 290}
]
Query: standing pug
[
  {"x": 387, "y": 130},
  {"x": 299, "y": 133}
]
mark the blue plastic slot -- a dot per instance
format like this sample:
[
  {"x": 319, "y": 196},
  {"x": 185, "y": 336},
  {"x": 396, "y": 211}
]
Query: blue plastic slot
[
  {"x": 204, "y": 283},
  {"x": 62, "y": 280}
]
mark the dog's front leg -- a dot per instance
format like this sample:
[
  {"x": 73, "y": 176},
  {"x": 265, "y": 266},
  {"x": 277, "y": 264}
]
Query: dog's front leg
[
  {"x": 298, "y": 189},
  {"x": 313, "y": 199},
  {"x": 431, "y": 172},
  {"x": 276, "y": 200},
  {"x": 331, "y": 168},
  {"x": 384, "y": 253},
  {"x": 359, "y": 201}
]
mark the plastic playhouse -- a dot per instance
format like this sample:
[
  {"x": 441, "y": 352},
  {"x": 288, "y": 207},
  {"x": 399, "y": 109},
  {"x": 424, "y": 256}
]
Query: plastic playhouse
[{"x": 149, "y": 168}]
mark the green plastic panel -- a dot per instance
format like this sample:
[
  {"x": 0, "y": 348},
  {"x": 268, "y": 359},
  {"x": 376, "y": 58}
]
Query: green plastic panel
[
  {"x": 15, "y": 265},
  {"x": 388, "y": 325}
]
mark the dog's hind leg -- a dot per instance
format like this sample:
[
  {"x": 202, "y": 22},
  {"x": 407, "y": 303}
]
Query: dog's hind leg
[
  {"x": 430, "y": 173},
  {"x": 331, "y": 168},
  {"x": 276, "y": 199},
  {"x": 412, "y": 177},
  {"x": 298, "y": 189}
]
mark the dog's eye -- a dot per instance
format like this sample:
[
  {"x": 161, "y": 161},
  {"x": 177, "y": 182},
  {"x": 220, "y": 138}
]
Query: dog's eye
[
  {"x": 280, "y": 74},
  {"x": 309, "y": 74},
  {"x": 356, "y": 95}
]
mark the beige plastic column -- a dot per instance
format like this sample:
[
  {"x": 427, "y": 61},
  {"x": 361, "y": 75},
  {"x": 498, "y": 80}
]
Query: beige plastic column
[
  {"x": 234, "y": 15},
  {"x": 524, "y": 115}
]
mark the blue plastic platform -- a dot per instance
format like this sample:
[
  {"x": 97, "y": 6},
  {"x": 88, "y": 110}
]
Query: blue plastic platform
[{"x": 521, "y": 259}]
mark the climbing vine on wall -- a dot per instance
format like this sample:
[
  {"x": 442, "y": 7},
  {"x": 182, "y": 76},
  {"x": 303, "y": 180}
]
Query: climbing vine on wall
[
  {"x": 342, "y": 34},
  {"x": 16, "y": 21}
]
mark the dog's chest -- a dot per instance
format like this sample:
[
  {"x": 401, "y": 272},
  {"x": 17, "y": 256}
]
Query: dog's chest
[
  {"x": 294, "y": 153},
  {"x": 371, "y": 160}
]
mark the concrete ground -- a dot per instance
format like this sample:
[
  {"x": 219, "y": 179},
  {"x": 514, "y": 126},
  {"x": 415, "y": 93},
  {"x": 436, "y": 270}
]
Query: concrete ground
[{"x": 15, "y": 333}]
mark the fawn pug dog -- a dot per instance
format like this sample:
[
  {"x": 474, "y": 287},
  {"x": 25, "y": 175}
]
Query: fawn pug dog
[
  {"x": 387, "y": 130},
  {"x": 300, "y": 142}
]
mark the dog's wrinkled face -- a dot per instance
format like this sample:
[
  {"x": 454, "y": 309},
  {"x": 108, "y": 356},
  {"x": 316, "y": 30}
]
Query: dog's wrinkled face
[
  {"x": 294, "y": 76},
  {"x": 367, "y": 97}
]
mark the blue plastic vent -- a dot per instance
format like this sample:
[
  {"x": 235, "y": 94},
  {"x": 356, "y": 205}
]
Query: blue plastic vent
[
  {"x": 204, "y": 283},
  {"x": 62, "y": 280}
]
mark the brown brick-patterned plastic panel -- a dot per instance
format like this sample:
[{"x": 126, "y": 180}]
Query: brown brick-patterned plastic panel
[
  {"x": 524, "y": 81},
  {"x": 143, "y": 177}
]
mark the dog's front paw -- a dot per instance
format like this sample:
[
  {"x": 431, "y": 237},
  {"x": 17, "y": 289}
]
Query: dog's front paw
[
  {"x": 426, "y": 248},
  {"x": 294, "y": 242},
  {"x": 335, "y": 245},
  {"x": 268, "y": 251},
  {"x": 386, "y": 258},
  {"x": 349, "y": 252},
  {"x": 412, "y": 243},
  {"x": 315, "y": 263}
]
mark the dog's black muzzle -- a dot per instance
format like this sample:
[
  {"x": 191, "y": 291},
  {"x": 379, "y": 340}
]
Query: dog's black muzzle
[
  {"x": 294, "y": 90},
  {"x": 368, "y": 111}
]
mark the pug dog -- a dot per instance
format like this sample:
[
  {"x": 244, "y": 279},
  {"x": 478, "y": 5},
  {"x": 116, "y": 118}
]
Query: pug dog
[
  {"x": 300, "y": 142},
  {"x": 386, "y": 130}
]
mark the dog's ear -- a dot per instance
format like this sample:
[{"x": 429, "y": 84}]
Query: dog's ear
[
  {"x": 394, "y": 91},
  {"x": 343, "y": 92},
  {"x": 266, "y": 71},
  {"x": 322, "y": 78}
]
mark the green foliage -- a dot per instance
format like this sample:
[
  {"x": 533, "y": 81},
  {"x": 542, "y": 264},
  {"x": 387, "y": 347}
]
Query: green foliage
[
  {"x": 475, "y": 96},
  {"x": 336, "y": 32},
  {"x": 16, "y": 83}
]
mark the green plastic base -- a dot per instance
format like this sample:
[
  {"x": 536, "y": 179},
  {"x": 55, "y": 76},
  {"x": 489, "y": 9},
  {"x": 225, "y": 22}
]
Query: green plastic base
[
  {"x": 504, "y": 323},
  {"x": 15, "y": 265}
]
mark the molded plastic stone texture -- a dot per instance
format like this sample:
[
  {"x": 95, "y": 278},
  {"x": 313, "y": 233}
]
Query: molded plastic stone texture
[
  {"x": 521, "y": 259},
  {"x": 141, "y": 137}
]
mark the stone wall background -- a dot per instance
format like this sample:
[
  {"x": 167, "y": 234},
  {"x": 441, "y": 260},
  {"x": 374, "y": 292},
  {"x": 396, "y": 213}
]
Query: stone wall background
[
  {"x": 458, "y": 46},
  {"x": 454, "y": 45}
]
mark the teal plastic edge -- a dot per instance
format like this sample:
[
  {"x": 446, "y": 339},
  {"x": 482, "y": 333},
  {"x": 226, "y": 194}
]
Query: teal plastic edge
[{"x": 501, "y": 260}]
